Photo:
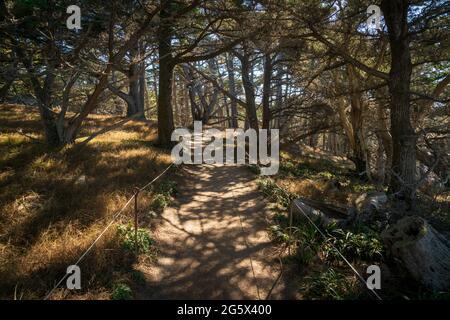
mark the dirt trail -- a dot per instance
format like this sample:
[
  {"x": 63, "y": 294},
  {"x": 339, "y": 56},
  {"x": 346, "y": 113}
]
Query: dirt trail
[{"x": 213, "y": 241}]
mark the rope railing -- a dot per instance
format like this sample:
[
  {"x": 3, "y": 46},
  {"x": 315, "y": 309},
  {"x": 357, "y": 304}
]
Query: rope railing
[
  {"x": 114, "y": 218},
  {"x": 337, "y": 250},
  {"x": 358, "y": 275}
]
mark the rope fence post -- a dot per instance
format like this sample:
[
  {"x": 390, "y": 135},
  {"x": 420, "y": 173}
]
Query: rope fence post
[
  {"x": 290, "y": 230},
  {"x": 114, "y": 218},
  {"x": 136, "y": 193},
  {"x": 322, "y": 234}
]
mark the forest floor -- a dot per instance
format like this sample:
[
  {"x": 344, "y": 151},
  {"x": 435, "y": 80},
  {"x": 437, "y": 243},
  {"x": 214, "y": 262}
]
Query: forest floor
[
  {"x": 205, "y": 231},
  {"x": 209, "y": 241},
  {"x": 55, "y": 203},
  {"x": 213, "y": 241}
]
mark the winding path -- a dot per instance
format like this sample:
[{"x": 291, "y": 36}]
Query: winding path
[{"x": 213, "y": 241}]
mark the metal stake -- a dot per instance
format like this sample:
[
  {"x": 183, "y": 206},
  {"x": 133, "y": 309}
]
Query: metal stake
[
  {"x": 136, "y": 192},
  {"x": 290, "y": 229}
]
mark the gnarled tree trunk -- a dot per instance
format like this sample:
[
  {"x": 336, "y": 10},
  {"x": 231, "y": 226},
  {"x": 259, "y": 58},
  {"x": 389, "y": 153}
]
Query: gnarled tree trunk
[
  {"x": 249, "y": 89},
  {"x": 267, "y": 92},
  {"x": 422, "y": 250},
  {"x": 403, "y": 136},
  {"x": 166, "y": 67},
  {"x": 232, "y": 88}
]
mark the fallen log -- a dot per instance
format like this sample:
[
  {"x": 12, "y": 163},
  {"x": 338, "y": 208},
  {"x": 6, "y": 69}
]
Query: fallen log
[
  {"x": 371, "y": 210},
  {"x": 317, "y": 211},
  {"x": 423, "y": 251}
]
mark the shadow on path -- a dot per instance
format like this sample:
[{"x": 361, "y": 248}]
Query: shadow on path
[{"x": 213, "y": 242}]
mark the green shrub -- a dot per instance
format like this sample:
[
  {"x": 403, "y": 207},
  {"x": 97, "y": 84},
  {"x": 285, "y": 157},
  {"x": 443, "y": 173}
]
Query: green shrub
[
  {"x": 361, "y": 188},
  {"x": 330, "y": 285},
  {"x": 163, "y": 195},
  {"x": 297, "y": 170},
  {"x": 278, "y": 234},
  {"x": 281, "y": 219},
  {"x": 308, "y": 242},
  {"x": 320, "y": 168},
  {"x": 276, "y": 194},
  {"x": 364, "y": 246},
  {"x": 326, "y": 175},
  {"x": 121, "y": 292},
  {"x": 167, "y": 187},
  {"x": 160, "y": 201},
  {"x": 127, "y": 235}
]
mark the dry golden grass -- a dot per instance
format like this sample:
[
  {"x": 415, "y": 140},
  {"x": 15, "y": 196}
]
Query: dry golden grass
[
  {"x": 321, "y": 175},
  {"x": 321, "y": 182},
  {"x": 53, "y": 204}
]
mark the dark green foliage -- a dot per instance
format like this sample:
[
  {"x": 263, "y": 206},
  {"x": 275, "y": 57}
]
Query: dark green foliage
[
  {"x": 167, "y": 187},
  {"x": 322, "y": 168},
  {"x": 127, "y": 234},
  {"x": 121, "y": 292},
  {"x": 363, "y": 246},
  {"x": 275, "y": 193},
  {"x": 160, "y": 201},
  {"x": 330, "y": 285}
]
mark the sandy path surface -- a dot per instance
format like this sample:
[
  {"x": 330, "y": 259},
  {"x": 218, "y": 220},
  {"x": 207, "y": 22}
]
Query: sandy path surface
[{"x": 213, "y": 241}]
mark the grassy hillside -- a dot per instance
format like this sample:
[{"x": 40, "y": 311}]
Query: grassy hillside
[{"x": 54, "y": 203}]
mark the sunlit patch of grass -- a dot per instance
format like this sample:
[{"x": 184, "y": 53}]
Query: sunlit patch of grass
[
  {"x": 325, "y": 177},
  {"x": 6, "y": 175},
  {"x": 275, "y": 193},
  {"x": 54, "y": 204},
  {"x": 308, "y": 249},
  {"x": 304, "y": 187},
  {"x": 331, "y": 284},
  {"x": 46, "y": 163}
]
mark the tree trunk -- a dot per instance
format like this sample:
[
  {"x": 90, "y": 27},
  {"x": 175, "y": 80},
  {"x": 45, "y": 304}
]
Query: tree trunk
[
  {"x": 380, "y": 161},
  {"x": 175, "y": 104},
  {"x": 136, "y": 84},
  {"x": 10, "y": 75},
  {"x": 422, "y": 250},
  {"x": 266, "y": 91},
  {"x": 278, "y": 92},
  {"x": 50, "y": 129},
  {"x": 356, "y": 119},
  {"x": 142, "y": 90},
  {"x": 249, "y": 90},
  {"x": 353, "y": 124},
  {"x": 45, "y": 98},
  {"x": 386, "y": 139},
  {"x": 166, "y": 67},
  {"x": 232, "y": 88},
  {"x": 5, "y": 88},
  {"x": 193, "y": 92},
  {"x": 403, "y": 136},
  {"x": 133, "y": 89}
]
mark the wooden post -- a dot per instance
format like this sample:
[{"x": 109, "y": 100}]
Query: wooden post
[
  {"x": 136, "y": 193},
  {"x": 290, "y": 230}
]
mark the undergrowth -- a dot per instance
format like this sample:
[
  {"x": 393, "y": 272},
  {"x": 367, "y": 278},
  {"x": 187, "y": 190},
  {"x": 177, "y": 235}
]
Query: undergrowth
[
  {"x": 121, "y": 292},
  {"x": 142, "y": 243},
  {"x": 308, "y": 246},
  {"x": 63, "y": 199},
  {"x": 163, "y": 194},
  {"x": 331, "y": 284}
]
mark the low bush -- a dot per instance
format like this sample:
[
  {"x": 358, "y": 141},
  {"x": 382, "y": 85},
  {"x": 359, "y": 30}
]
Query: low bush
[
  {"x": 160, "y": 201},
  {"x": 121, "y": 292},
  {"x": 127, "y": 235},
  {"x": 330, "y": 285}
]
